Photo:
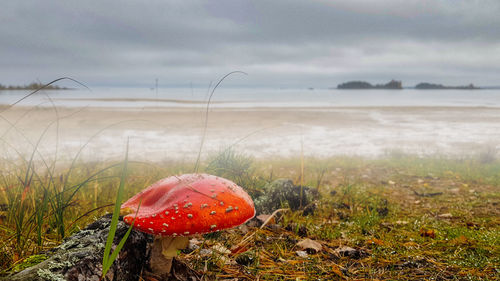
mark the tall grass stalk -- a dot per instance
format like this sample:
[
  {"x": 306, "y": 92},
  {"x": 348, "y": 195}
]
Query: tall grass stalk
[{"x": 197, "y": 165}]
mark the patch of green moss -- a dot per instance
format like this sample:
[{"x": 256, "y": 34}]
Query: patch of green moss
[{"x": 29, "y": 262}]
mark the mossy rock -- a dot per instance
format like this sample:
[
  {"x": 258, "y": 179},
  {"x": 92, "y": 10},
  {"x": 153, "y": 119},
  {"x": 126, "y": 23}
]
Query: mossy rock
[
  {"x": 79, "y": 257},
  {"x": 282, "y": 193}
]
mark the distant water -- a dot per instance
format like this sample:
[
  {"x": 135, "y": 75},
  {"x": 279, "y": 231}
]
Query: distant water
[
  {"x": 340, "y": 122},
  {"x": 255, "y": 97}
]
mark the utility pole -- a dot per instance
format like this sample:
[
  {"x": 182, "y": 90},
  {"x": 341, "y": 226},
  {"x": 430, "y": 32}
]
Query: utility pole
[{"x": 156, "y": 88}]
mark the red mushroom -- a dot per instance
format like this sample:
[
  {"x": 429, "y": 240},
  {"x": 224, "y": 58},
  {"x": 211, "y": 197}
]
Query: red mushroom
[{"x": 189, "y": 204}]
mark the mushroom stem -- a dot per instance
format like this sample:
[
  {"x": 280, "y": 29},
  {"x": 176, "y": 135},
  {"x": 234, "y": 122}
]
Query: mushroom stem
[{"x": 163, "y": 251}]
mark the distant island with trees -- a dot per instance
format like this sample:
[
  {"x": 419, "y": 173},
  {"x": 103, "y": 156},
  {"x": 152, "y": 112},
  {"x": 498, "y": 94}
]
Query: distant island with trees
[
  {"x": 397, "y": 85},
  {"x": 430, "y": 86},
  {"x": 393, "y": 85},
  {"x": 32, "y": 86}
]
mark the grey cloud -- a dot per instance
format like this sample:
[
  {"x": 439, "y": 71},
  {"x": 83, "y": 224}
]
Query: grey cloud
[{"x": 303, "y": 43}]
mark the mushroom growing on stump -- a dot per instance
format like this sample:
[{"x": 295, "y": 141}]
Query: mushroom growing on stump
[{"x": 179, "y": 206}]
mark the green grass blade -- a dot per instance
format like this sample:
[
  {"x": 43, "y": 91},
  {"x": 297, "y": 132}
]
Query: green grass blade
[
  {"x": 116, "y": 212},
  {"x": 112, "y": 258}
]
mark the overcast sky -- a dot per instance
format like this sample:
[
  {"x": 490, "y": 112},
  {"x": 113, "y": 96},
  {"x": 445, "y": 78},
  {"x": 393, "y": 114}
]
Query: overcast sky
[{"x": 279, "y": 43}]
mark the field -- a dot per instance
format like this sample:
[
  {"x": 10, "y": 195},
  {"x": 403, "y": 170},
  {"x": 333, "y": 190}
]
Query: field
[{"x": 402, "y": 216}]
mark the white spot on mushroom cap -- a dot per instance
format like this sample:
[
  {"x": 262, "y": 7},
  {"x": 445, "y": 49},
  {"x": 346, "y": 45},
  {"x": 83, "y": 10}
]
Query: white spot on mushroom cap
[
  {"x": 212, "y": 212},
  {"x": 229, "y": 209},
  {"x": 165, "y": 224},
  {"x": 190, "y": 216}
]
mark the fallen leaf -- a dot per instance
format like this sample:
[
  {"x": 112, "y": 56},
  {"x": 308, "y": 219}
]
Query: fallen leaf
[
  {"x": 461, "y": 240},
  {"x": 337, "y": 270},
  {"x": 346, "y": 251},
  {"x": 183, "y": 271},
  {"x": 301, "y": 254},
  {"x": 411, "y": 245},
  {"x": 310, "y": 246},
  {"x": 374, "y": 241},
  {"x": 238, "y": 249},
  {"x": 226, "y": 261},
  {"x": 427, "y": 233},
  {"x": 244, "y": 228},
  {"x": 221, "y": 249},
  {"x": 263, "y": 217},
  {"x": 445, "y": 216}
]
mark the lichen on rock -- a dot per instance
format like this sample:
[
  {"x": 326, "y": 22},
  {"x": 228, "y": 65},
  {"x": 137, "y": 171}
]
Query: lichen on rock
[{"x": 48, "y": 275}]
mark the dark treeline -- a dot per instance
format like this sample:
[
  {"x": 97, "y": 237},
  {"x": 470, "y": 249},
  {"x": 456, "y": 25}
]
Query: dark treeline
[
  {"x": 31, "y": 86},
  {"x": 393, "y": 84}
]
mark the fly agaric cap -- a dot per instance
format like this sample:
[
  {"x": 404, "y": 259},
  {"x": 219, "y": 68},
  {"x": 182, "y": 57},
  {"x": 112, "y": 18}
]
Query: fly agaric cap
[{"x": 189, "y": 204}]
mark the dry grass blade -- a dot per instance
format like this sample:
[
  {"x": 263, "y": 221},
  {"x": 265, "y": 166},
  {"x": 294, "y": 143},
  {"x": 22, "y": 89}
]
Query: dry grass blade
[
  {"x": 43, "y": 87},
  {"x": 197, "y": 165}
]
